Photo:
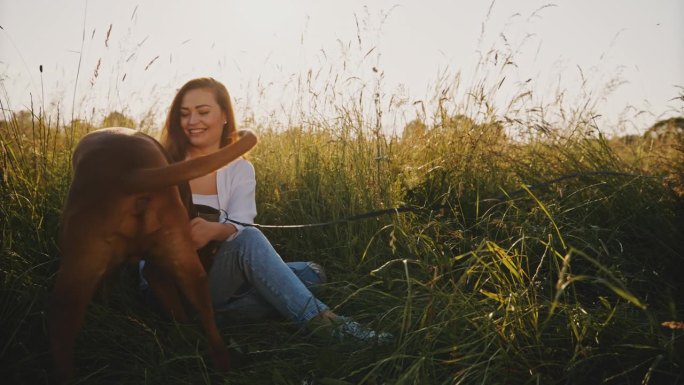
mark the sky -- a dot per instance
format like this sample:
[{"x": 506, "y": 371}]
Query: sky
[{"x": 290, "y": 60}]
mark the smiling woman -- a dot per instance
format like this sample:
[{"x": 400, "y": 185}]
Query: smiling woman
[
  {"x": 202, "y": 121},
  {"x": 247, "y": 277}
]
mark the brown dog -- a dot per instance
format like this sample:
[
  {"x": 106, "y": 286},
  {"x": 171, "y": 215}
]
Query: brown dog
[{"x": 124, "y": 203}]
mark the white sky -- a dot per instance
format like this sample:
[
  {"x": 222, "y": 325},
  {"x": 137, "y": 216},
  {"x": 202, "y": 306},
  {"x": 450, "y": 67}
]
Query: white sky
[{"x": 263, "y": 49}]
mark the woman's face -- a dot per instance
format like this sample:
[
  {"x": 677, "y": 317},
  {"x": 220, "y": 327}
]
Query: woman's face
[{"x": 202, "y": 119}]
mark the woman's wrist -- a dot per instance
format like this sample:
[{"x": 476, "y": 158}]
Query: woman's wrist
[{"x": 224, "y": 230}]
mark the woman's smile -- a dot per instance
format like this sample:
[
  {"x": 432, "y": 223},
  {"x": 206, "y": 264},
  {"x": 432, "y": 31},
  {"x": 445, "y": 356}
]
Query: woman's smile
[
  {"x": 196, "y": 131},
  {"x": 202, "y": 119}
]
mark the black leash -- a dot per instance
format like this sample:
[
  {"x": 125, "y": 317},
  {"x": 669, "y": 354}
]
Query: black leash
[
  {"x": 370, "y": 214},
  {"x": 411, "y": 208}
]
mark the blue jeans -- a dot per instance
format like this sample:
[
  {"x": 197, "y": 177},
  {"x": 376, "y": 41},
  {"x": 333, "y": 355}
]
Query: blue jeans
[{"x": 249, "y": 280}]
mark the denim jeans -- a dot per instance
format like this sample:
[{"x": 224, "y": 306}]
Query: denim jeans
[{"x": 250, "y": 281}]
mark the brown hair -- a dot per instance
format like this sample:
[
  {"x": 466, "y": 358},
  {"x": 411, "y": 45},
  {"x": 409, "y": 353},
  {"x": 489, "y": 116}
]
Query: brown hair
[{"x": 173, "y": 138}]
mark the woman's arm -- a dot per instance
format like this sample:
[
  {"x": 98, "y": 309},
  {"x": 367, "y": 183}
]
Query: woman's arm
[
  {"x": 236, "y": 190},
  {"x": 203, "y": 231},
  {"x": 236, "y": 185}
]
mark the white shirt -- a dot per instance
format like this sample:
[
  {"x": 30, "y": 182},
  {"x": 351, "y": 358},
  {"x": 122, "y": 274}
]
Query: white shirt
[
  {"x": 206, "y": 200},
  {"x": 236, "y": 187}
]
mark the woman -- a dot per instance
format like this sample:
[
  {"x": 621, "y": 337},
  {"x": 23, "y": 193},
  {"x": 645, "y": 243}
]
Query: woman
[{"x": 247, "y": 276}]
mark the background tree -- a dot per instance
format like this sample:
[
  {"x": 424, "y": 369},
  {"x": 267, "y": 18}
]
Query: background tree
[{"x": 118, "y": 119}]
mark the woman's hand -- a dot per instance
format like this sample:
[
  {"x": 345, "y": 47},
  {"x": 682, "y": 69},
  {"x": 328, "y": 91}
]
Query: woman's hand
[{"x": 203, "y": 231}]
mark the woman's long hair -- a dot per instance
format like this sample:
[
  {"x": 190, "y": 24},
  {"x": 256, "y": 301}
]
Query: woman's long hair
[{"x": 173, "y": 138}]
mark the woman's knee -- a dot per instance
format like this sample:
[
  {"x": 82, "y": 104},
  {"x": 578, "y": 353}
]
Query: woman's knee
[
  {"x": 253, "y": 244},
  {"x": 247, "y": 238},
  {"x": 255, "y": 239},
  {"x": 250, "y": 231},
  {"x": 251, "y": 234}
]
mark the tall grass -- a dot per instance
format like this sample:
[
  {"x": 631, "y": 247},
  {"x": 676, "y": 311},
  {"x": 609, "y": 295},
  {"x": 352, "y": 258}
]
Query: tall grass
[{"x": 491, "y": 282}]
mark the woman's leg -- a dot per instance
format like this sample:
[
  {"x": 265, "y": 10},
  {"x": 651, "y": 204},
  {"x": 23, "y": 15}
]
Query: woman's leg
[
  {"x": 249, "y": 265},
  {"x": 248, "y": 305},
  {"x": 311, "y": 274},
  {"x": 249, "y": 277}
]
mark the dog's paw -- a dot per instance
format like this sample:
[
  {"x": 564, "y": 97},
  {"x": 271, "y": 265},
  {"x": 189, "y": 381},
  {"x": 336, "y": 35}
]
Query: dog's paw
[{"x": 222, "y": 361}]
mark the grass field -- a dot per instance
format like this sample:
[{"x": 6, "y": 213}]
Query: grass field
[{"x": 538, "y": 254}]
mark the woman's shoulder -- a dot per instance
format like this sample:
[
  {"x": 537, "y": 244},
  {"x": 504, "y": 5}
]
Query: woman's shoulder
[{"x": 238, "y": 166}]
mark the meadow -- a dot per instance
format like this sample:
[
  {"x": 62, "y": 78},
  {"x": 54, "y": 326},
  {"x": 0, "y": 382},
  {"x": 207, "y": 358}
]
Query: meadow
[{"x": 533, "y": 253}]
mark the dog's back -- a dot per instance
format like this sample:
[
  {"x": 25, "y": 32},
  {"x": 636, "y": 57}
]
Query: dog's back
[
  {"x": 101, "y": 203},
  {"x": 104, "y": 160}
]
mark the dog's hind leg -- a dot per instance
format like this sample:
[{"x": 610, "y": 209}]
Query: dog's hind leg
[
  {"x": 182, "y": 263},
  {"x": 165, "y": 291},
  {"x": 77, "y": 279},
  {"x": 194, "y": 284}
]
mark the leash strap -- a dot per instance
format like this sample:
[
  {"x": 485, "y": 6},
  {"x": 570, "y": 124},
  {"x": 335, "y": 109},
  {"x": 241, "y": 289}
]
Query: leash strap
[{"x": 411, "y": 208}]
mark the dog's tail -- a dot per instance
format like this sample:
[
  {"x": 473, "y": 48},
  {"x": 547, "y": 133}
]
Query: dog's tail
[{"x": 151, "y": 179}]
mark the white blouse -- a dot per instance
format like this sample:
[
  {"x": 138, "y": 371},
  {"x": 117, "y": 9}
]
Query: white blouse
[
  {"x": 236, "y": 186},
  {"x": 206, "y": 200}
]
